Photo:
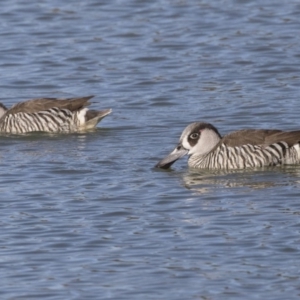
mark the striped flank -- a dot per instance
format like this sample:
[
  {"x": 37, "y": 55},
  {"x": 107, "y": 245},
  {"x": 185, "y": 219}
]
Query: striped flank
[
  {"x": 246, "y": 156},
  {"x": 51, "y": 120}
]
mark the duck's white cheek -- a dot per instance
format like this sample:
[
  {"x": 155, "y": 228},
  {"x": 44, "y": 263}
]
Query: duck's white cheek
[{"x": 186, "y": 144}]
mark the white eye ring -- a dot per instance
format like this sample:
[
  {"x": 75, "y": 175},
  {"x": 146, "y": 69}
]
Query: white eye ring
[{"x": 194, "y": 136}]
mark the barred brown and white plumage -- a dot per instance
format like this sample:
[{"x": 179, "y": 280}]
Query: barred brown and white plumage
[
  {"x": 50, "y": 115},
  {"x": 249, "y": 148}
]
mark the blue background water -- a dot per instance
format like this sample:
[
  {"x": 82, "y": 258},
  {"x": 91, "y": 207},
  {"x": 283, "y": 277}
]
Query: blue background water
[{"x": 86, "y": 215}]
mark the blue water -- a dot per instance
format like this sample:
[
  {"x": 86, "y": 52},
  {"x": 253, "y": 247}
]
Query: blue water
[{"x": 87, "y": 215}]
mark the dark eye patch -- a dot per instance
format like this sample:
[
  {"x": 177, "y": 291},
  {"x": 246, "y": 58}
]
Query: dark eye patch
[{"x": 193, "y": 138}]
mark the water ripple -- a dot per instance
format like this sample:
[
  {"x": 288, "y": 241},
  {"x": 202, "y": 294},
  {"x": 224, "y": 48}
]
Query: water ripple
[{"x": 87, "y": 215}]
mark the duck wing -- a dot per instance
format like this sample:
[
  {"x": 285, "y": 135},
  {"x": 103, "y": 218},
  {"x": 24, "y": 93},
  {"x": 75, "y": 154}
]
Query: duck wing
[
  {"x": 262, "y": 137},
  {"x": 36, "y": 105}
]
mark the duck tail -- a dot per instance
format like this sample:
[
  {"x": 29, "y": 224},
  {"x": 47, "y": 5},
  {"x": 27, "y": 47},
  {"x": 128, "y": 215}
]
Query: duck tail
[{"x": 93, "y": 117}]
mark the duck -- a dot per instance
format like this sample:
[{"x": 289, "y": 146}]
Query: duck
[
  {"x": 50, "y": 115},
  {"x": 246, "y": 148}
]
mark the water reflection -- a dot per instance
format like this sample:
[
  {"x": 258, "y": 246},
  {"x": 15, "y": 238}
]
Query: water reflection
[{"x": 207, "y": 181}]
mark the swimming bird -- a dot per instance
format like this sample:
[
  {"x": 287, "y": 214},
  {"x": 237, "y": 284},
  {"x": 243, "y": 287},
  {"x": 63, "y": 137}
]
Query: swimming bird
[
  {"x": 248, "y": 148},
  {"x": 50, "y": 115}
]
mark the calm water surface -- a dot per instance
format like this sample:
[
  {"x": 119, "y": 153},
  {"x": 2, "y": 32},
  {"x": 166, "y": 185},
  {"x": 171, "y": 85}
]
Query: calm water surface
[{"x": 86, "y": 216}]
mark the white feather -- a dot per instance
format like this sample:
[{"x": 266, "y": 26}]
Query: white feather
[{"x": 81, "y": 116}]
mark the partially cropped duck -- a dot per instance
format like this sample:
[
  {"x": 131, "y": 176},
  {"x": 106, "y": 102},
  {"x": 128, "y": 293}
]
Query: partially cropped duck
[
  {"x": 249, "y": 148},
  {"x": 50, "y": 115}
]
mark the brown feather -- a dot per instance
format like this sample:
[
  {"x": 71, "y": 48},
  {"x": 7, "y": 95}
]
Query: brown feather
[
  {"x": 36, "y": 105},
  {"x": 290, "y": 137},
  {"x": 262, "y": 137}
]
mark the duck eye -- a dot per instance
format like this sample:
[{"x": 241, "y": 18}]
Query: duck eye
[{"x": 194, "y": 135}]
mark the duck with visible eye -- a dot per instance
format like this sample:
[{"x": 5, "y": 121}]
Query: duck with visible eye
[{"x": 249, "y": 148}]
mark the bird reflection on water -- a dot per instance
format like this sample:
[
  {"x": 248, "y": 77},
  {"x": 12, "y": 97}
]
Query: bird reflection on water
[{"x": 205, "y": 181}]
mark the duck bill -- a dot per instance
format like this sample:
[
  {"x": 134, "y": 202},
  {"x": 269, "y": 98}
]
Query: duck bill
[{"x": 168, "y": 161}]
